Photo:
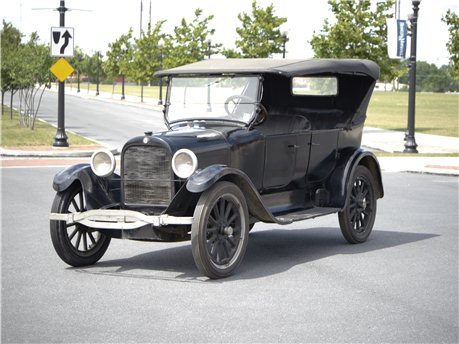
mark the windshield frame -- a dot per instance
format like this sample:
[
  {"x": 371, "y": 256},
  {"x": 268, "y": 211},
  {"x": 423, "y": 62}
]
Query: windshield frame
[{"x": 257, "y": 102}]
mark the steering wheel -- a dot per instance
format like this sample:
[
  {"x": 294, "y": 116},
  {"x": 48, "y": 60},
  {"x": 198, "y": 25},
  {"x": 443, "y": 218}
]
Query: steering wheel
[
  {"x": 261, "y": 116},
  {"x": 235, "y": 99}
]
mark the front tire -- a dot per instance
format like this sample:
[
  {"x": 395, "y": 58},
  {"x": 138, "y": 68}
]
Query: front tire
[
  {"x": 220, "y": 229},
  {"x": 357, "y": 218},
  {"x": 76, "y": 244}
]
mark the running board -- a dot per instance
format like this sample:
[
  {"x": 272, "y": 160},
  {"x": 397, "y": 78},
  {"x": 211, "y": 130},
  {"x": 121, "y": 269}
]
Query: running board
[{"x": 305, "y": 214}]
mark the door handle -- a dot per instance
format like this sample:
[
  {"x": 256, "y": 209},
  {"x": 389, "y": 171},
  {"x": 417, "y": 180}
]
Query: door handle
[
  {"x": 293, "y": 146},
  {"x": 314, "y": 144}
]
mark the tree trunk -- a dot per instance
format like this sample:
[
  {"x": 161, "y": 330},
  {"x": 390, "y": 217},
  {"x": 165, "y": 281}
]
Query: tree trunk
[
  {"x": 3, "y": 100},
  {"x": 11, "y": 105},
  {"x": 38, "y": 107},
  {"x": 141, "y": 92}
]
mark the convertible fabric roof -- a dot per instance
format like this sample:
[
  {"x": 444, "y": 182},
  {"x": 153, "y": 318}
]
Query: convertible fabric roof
[{"x": 285, "y": 67}]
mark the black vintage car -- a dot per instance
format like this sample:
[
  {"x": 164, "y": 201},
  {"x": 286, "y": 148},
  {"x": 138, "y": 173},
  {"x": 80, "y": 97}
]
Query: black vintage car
[{"x": 248, "y": 140}]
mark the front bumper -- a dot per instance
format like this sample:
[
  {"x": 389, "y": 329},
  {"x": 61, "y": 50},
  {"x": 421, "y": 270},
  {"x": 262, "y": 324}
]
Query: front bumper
[{"x": 119, "y": 219}]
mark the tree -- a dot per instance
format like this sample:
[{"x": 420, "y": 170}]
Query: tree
[
  {"x": 119, "y": 57},
  {"x": 430, "y": 78},
  {"x": 147, "y": 55},
  {"x": 259, "y": 33},
  {"x": 77, "y": 61},
  {"x": 359, "y": 32},
  {"x": 25, "y": 68},
  {"x": 189, "y": 43},
  {"x": 93, "y": 66},
  {"x": 32, "y": 75},
  {"x": 452, "y": 20},
  {"x": 10, "y": 43}
]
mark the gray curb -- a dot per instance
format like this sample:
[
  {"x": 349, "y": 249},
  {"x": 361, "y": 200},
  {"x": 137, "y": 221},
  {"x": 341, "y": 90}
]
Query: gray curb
[{"x": 58, "y": 153}]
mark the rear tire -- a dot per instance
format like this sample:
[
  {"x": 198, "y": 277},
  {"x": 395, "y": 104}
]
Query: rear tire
[
  {"x": 219, "y": 232},
  {"x": 357, "y": 218},
  {"x": 75, "y": 244}
]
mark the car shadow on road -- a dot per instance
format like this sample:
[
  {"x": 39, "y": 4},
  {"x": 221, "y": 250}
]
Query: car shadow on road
[{"x": 269, "y": 252}]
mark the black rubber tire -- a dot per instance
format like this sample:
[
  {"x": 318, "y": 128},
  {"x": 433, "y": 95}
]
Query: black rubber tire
[
  {"x": 357, "y": 218},
  {"x": 213, "y": 235},
  {"x": 67, "y": 238}
]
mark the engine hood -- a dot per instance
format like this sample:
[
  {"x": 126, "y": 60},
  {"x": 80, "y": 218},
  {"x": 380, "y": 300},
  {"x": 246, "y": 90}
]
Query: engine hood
[
  {"x": 210, "y": 146},
  {"x": 192, "y": 138}
]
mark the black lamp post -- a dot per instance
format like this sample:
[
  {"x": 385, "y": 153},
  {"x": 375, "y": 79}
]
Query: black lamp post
[
  {"x": 284, "y": 40},
  {"x": 410, "y": 144},
  {"x": 161, "y": 46},
  {"x": 60, "y": 139},
  {"x": 78, "y": 71},
  {"x": 98, "y": 73},
  {"x": 209, "y": 47},
  {"x": 123, "y": 49}
]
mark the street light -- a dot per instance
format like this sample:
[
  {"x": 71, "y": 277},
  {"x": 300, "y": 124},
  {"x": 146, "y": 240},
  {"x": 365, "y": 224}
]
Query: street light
[
  {"x": 284, "y": 40},
  {"x": 410, "y": 144},
  {"x": 78, "y": 71},
  {"x": 209, "y": 47},
  {"x": 161, "y": 46},
  {"x": 123, "y": 50},
  {"x": 98, "y": 73}
]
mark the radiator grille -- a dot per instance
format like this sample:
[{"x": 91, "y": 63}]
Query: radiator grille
[{"x": 147, "y": 175}]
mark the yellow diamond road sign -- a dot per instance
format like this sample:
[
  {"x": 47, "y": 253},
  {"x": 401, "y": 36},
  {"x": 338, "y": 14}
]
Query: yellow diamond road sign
[{"x": 61, "y": 69}]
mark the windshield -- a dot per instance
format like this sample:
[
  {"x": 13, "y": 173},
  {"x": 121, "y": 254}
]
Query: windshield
[{"x": 225, "y": 98}]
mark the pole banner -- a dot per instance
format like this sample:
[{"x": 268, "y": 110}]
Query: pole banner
[
  {"x": 397, "y": 38},
  {"x": 401, "y": 38}
]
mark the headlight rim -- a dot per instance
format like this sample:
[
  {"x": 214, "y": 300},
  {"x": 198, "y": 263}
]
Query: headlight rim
[
  {"x": 194, "y": 160},
  {"x": 112, "y": 162}
]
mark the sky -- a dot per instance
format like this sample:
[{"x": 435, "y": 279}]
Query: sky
[{"x": 105, "y": 20}]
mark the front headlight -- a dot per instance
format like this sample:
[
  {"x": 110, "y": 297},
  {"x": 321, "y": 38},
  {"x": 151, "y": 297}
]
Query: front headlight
[
  {"x": 103, "y": 163},
  {"x": 184, "y": 163}
]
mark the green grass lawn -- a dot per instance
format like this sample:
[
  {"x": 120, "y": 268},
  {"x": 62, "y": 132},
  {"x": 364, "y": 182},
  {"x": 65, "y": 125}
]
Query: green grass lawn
[
  {"x": 436, "y": 113},
  {"x": 132, "y": 90},
  {"x": 13, "y": 135}
]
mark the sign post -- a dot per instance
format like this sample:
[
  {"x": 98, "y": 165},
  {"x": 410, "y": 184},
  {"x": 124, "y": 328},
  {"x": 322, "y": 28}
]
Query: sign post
[{"x": 60, "y": 42}]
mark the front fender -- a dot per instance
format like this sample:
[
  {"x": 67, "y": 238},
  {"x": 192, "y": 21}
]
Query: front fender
[
  {"x": 348, "y": 162},
  {"x": 98, "y": 191},
  {"x": 204, "y": 179}
]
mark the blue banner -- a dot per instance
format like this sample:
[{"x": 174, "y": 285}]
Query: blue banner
[{"x": 401, "y": 38}]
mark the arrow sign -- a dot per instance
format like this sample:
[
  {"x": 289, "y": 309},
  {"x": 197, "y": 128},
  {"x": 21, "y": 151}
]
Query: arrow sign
[
  {"x": 62, "y": 41},
  {"x": 67, "y": 37}
]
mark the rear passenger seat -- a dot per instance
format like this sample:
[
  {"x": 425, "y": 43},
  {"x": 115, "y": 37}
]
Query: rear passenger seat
[{"x": 283, "y": 124}]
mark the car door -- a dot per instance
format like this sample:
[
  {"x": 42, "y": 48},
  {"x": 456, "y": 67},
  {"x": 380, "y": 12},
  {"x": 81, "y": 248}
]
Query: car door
[
  {"x": 286, "y": 158},
  {"x": 280, "y": 155}
]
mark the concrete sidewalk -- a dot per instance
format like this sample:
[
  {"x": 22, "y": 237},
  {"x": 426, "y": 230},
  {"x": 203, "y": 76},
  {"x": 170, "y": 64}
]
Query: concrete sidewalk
[
  {"x": 148, "y": 103},
  {"x": 393, "y": 142},
  {"x": 431, "y": 165},
  {"x": 378, "y": 140}
]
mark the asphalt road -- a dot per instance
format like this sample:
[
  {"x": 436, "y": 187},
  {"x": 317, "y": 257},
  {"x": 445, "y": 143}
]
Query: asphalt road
[
  {"x": 299, "y": 283},
  {"x": 109, "y": 123}
]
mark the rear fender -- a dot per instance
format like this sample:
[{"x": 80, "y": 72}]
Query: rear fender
[
  {"x": 339, "y": 182},
  {"x": 98, "y": 192},
  {"x": 204, "y": 179}
]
